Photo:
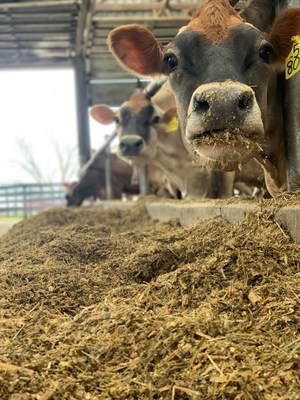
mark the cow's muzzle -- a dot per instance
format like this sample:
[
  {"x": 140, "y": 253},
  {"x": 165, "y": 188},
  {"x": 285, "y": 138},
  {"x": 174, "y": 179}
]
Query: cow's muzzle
[
  {"x": 223, "y": 122},
  {"x": 131, "y": 145}
]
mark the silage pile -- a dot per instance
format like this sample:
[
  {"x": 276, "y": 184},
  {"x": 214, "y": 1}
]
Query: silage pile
[{"x": 106, "y": 304}]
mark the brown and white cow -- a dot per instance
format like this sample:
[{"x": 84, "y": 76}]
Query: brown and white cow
[
  {"x": 224, "y": 73},
  {"x": 142, "y": 127}
]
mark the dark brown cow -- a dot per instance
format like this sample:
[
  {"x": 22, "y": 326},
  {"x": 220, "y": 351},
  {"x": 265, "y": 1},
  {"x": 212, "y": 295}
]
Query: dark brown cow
[
  {"x": 92, "y": 180},
  {"x": 224, "y": 74}
]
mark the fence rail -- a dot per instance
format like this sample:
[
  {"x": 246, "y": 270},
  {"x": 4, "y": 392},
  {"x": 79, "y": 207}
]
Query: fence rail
[{"x": 29, "y": 198}]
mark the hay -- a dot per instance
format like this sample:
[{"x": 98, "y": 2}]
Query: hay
[{"x": 107, "y": 304}]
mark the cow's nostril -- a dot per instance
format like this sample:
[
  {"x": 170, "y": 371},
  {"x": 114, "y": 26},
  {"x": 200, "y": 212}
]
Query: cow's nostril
[
  {"x": 244, "y": 100},
  {"x": 131, "y": 146},
  {"x": 139, "y": 144},
  {"x": 202, "y": 105},
  {"x": 242, "y": 104},
  {"x": 122, "y": 146}
]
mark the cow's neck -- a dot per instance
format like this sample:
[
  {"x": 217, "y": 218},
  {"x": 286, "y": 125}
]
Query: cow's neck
[
  {"x": 172, "y": 157},
  {"x": 273, "y": 163}
]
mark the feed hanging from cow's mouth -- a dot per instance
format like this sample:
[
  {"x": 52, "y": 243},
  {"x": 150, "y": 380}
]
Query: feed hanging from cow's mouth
[
  {"x": 223, "y": 137},
  {"x": 225, "y": 149}
]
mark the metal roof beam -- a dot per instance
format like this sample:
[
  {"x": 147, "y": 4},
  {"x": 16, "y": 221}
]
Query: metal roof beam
[
  {"x": 36, "y": 36},
  {"x": 38, "y": 4},
  {"x": 140, "y": 7},
  {"x": 140, "y": 18}
]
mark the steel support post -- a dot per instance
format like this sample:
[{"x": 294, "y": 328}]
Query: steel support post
[
  {"x": 82, "y": 111},
  {"x": 108, "y": 175},
  {"x": 144, "y": 181},
  {"x": 291, "y": 113}
]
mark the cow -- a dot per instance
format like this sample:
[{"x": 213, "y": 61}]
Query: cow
[
  {"x": 92, "y": 184},
  {"x": 225, "y": 71},
  {"x": 147, "y": 137}
]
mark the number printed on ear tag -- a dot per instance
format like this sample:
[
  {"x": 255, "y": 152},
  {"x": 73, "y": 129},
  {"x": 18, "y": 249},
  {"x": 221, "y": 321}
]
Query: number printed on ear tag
[{"x": 292, "y": 62}]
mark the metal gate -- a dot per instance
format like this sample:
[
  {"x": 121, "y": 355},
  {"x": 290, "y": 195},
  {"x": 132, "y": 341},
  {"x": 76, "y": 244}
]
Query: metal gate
[{"x": 26, "y": 199}]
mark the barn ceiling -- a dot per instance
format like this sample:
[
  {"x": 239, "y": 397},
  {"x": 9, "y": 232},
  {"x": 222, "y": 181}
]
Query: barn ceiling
[
  {"x": 55, "y": 33},
  {"x": 162, "y": 17}
]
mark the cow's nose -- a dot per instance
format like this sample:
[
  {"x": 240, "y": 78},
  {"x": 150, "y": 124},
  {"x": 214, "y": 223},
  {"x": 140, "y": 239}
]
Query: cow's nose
[
  {"x": 131, "y": 146},
  {"x": 229, "y": 102}
]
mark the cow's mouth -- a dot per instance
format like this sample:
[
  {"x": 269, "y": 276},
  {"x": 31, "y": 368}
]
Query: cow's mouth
[
  {"x": 222, "y": 148},
  {"x": 222, "y": 137},
  {"x": 135, "y": 160}
]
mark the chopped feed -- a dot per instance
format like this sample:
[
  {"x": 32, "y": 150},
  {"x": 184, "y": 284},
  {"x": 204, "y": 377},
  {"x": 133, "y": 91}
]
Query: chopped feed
[{"x": 107, "y": 304}]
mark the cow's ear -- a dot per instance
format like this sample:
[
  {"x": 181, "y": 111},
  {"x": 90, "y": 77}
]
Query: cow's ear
[
  {"x": 260, "y": 13},
  {"x": 286, "y": 25},
  {"x": 136, "y": 49},
  {"x": 169, "y": 115},
  {"x": 103, "y": 114},
  {"x": 170, "y": 118}
]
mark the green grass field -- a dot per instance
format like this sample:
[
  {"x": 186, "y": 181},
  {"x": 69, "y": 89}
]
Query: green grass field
[{"x": 11, "y": 218}]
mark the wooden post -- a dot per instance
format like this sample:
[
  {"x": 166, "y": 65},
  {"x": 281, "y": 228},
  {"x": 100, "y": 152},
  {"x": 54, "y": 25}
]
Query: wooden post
[
  {"x": 291, "y": 114},
  {"x": 82, "y": 111}
]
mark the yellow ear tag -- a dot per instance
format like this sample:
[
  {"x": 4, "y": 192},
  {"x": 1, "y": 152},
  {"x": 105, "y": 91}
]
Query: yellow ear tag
[
  {"x": 172, "y": 125},
  {"x": 292, "y": 62}
]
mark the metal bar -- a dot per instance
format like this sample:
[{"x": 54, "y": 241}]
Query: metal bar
[
  {"x": 291, "y": 114},
  {"x": 32, "y": 46},
  {"x": 111, "y": 7},
  {"x": 144, "y": 181},
  {"x": 103, "y": 148},
  {"x": 82, "y": 21},
  {"x": 108, "y": 175},
  {"x": 37, "y": 36},
  {"x": 82, "y": 111},
  {"x": 40, "y": 23},
  {"x": 37, "y": 4},
  {"x": 140, "y": 18},
  {"x": 52, "y": 63},
  {"x": 88, "y": 27},
  {"x": 25, "y": 211},
  {"x": 107, "y": 142},
  {"x": 140, "y": 7},
  {"x": 49, "y": 52},
  {"x": 43, "y": 29},
  {"x": 46, "y": 15},
  {"x": 116, "y": 81}
]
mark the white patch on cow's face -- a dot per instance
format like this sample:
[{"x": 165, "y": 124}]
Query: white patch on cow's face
[{"x": 224, "y": 126}]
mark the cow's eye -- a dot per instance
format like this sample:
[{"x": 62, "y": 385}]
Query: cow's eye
[
  {"x": 266, "y": 51},
  {"x": 117, "y": 120},
  {"x": 171, "y": 61},
  {"x": 156, "y": 120}
]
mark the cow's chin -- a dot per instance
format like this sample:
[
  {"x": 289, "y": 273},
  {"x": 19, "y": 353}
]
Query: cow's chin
[
  {"x": 222, "y": 149},
  {"x": 135, "y": 161}
]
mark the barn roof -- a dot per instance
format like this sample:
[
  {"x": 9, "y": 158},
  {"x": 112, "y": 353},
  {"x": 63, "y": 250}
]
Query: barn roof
[{"x": 54, "y": 33}]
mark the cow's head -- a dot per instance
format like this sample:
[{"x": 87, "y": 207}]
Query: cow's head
[
  {"x": 222, "y": 70},
  {"x": 74, "y": 194},
  {"x": 136, "y": 122},
  {"x": 90, "y": 184}
]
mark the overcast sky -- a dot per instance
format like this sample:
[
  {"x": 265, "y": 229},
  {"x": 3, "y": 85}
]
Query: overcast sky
[{"x": 38, "y": 107}]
